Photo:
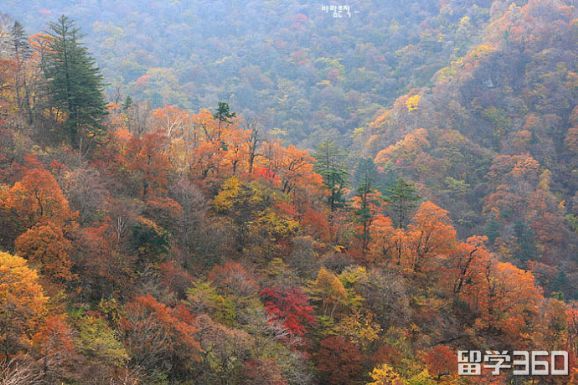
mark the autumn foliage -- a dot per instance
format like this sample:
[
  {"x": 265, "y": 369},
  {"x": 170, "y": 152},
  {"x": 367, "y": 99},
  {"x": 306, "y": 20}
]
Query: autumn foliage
[
  {"x": 290, "y": 307},
  {"x": 168, "y": 244}
]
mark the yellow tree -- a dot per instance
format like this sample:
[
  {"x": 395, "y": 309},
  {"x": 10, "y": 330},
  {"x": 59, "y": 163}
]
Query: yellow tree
[
  {"x": 22, "y": 303},
  {"x": 412, "y": 103},
  {"x": 385, "y": 375},
  {"x": 328, "y": 290}
]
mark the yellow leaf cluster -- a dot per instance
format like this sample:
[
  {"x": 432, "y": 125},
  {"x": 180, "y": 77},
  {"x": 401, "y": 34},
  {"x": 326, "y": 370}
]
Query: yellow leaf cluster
[{"x": 412, "y": 103}]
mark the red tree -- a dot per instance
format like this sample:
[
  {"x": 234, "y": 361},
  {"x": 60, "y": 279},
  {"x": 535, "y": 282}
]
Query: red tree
[
  {"x": 440, "y": 360},
  {"x": 291, "y": 306},
  {"x": 339, "y": 360}
]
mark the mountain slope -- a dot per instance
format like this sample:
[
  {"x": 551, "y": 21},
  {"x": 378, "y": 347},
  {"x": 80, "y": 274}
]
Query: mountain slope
[
  {"x": 497, "y": 144},
  {"x": 289, "y": 63}
]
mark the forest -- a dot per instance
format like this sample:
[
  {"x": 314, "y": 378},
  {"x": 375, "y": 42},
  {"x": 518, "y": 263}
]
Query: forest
[{"x": 265, "y": 192}]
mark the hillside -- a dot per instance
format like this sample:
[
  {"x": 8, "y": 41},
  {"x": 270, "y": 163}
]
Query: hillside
[
  {"x": 258, "y": 193},
  {"x": 290, "y": 64},
  {"x": 493, "y": 139}
]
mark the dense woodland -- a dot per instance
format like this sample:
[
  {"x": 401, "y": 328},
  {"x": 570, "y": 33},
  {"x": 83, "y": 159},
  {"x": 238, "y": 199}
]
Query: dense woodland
[{"x": 257, "y": 193}]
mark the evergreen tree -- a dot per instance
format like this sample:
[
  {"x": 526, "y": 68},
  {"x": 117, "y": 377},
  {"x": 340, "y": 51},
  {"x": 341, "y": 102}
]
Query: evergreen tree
[
  {"x": 127, "y": 103},
  {"x": 224, "y": 114},
  {"x": 365, "y": 173},
  {"x": 331, "y": 166},
  {"x": 561, "y": 285},
  {"x": 365, "y": 177},
  {"x": 492, "y": 229},
  {"x": 74, "y": 81},
  {"x": 402, "y": 198},
  {"x": 527, "y": 249},
  {"x": 20, "y": 44}
]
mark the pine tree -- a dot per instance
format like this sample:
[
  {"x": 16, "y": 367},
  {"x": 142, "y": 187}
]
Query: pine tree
[
  {"x": 560, "y": 285},
  {"x": 224, "y": 114},
  {"x": 331, "y": 166},
  {"x": 127, "y": 103},
  {"x": 20, "y": 44},
  {"x": 402, "y": 198},
  {"x": 365, "y": 178},
  {"x": 365, "y": 173},
  {"x": 527, "y": 249},
  {"x": 492, "y": 230},
  {"x": 74, "y": 81}
]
